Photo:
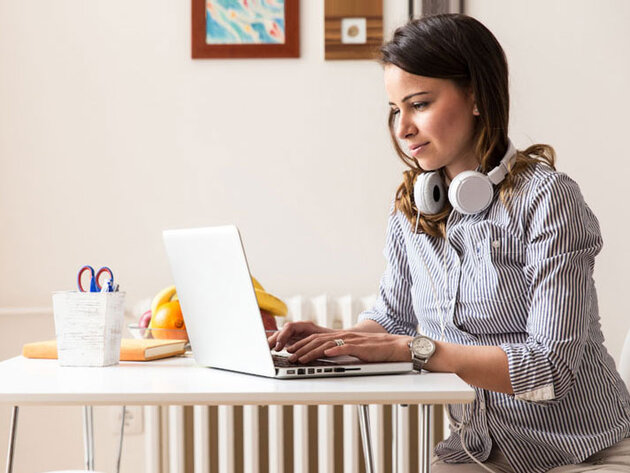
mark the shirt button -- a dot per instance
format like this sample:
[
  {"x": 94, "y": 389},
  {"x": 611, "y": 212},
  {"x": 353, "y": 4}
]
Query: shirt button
[{"x": 496, "y": 244}]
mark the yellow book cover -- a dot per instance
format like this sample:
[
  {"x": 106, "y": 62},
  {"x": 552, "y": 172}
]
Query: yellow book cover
[{"x": 131, "y": 349}]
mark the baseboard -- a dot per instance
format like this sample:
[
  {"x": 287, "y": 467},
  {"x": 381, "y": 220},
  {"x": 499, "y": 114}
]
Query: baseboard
[{"x": 22, "y": 311}]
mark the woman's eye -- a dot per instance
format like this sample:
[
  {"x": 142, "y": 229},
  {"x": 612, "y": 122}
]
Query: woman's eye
[
  {"x": 394, "y": 112},
  {"x": 420, "y": 105}
]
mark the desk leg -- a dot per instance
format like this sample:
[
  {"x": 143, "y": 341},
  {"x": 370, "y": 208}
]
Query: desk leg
[
  {"x": 12, "y": 431},
  {"x": 395, "y": 409},
  {"x": 364, "y": 423},
  {"x": 91, "y": 418},
  {"x": 88, "y": 437},
  {"x": 425, "y": 466},
  {"x": 122, "y": 434}
]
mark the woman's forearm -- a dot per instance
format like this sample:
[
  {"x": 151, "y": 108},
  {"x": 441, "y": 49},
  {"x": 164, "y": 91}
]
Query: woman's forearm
[
  {"x": 483, "y": 366},
  {"x": 368, "y": 325}
]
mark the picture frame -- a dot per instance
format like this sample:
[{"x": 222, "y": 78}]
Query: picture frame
[
  {"x": 418, "y": 8},
  {"x": 227, "y": 48},
  {"x": 352, "y": 29}
]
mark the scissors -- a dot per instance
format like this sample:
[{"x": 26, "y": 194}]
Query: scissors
[{"x": 95, "y": 284}]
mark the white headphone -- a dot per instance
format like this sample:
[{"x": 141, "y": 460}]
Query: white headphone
[{"x": 470, "y": 192}]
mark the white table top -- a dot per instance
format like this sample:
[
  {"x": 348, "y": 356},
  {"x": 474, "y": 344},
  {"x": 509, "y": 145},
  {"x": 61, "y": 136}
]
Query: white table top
[{"x": 179, "y": 381}]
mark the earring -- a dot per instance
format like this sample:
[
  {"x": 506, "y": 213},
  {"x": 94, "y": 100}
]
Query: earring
[{"x": 476, "y": 111}]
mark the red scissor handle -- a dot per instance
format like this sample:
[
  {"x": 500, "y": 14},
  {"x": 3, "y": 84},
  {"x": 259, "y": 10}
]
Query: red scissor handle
[
  {"x": 103, "y": 270},
  {"x": 80, "y": 277},
  {"x": 95, "y": 283}
]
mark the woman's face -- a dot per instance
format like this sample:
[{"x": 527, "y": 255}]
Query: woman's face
[{"x": 435, "y": 119}]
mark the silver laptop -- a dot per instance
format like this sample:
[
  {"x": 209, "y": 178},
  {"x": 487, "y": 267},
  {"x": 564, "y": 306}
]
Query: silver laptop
[{"x": 222, "y": 317}]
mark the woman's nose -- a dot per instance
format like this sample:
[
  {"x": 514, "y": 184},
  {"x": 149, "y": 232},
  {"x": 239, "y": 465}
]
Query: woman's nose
[{"x": 405, "y": 128}]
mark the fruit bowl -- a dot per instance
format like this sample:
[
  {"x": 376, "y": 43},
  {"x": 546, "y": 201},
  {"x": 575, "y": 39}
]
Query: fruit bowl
[{"x": 158, "y": 333}]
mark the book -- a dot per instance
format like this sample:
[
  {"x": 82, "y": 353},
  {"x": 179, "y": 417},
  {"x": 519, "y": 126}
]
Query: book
[
  {"x": 146, "y": 349},
  {"x": 131, "y": 349}
]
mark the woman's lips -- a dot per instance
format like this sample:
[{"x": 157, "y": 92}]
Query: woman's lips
[{"x": 417, "y": 149}]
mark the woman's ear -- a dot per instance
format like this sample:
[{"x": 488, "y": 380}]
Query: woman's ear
[{"x": 471, "y": 97}]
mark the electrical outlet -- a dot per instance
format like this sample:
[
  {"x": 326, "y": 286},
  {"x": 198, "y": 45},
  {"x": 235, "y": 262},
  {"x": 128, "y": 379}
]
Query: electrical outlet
[{"x": 134, "y": 421}]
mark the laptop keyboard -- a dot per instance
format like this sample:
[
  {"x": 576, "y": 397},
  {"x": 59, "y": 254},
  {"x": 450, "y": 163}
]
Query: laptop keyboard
[{"x": 283, "y": 362}]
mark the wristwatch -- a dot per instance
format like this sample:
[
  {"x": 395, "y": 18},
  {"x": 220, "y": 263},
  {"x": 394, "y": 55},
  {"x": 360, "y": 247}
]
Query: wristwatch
[{"x": 421, "y": 350}]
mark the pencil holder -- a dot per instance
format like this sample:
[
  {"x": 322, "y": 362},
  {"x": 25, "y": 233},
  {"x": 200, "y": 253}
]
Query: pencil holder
[{"x": 88, "y": 327}]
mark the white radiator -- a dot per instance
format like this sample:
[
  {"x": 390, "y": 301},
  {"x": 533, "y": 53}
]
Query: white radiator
[{"x": 283, "y": 439}]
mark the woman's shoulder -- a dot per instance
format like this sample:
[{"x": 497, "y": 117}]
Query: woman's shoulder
[
  {"x": 549, "y": 195},
  {"x": 540, "y": 178},
  {"x": 398, "y": 224},
  {"x": 397, "y": 219},
  {"x": 535, "y": 173}
]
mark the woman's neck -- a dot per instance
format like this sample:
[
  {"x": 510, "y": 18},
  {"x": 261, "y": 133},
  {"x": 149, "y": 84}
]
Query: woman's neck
[{"x": 451, "y": 171}]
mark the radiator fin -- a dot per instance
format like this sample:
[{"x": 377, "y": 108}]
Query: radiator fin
[{"x": 291, "y": 439}]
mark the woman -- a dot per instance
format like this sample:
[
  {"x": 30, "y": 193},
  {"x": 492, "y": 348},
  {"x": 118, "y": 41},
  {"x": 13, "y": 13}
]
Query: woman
[{"x": 497, "y": 279}]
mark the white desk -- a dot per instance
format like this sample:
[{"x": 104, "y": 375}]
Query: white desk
[{"x": 178, "y": 381}]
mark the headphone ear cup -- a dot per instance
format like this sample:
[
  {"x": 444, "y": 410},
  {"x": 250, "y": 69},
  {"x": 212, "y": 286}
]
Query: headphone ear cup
[
  {"x": 470, "y": 192},
  {"x": 429, "y": 193}
]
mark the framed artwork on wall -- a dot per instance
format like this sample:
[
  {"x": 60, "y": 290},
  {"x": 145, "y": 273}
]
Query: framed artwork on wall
[
  {"x": 353, "y": 29},
  {"x": 245, "y": 28},
  {"x": 417, "y": 8}
]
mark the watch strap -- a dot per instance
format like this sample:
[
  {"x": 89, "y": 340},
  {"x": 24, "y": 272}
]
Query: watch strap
[{"x": 418, "y": 362}]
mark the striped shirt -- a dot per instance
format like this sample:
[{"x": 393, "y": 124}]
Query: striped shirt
[{"x": 519, "y": 277}]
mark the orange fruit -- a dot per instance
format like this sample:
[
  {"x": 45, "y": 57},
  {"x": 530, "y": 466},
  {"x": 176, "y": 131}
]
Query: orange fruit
[{"x": 168, "y": 322}]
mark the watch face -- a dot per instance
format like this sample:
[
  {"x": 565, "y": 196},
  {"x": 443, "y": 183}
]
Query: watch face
[{"x": 423, "y": 346}]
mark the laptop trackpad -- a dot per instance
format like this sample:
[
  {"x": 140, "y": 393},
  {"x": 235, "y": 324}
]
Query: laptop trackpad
[{"x": 341, "y": 360}]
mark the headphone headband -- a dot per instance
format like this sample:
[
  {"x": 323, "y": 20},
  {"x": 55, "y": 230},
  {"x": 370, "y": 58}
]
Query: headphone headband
[{"x": 499, "y": 172}]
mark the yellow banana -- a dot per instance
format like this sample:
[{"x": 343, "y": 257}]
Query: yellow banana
[
  {"x": 257, "y": 285},
  {"x": 265, "y": 300},
  {"x": 270, "y": 303},
  {"x": 165, "y": 295}
]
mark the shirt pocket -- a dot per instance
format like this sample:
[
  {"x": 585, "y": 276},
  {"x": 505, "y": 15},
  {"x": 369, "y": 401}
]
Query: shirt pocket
[{"x": 499, "y": 262}]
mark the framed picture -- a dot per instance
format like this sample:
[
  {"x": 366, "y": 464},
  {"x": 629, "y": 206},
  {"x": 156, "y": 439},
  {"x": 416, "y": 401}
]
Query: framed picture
[
  {"x": 352, "y": 29},
  {"x": 245, "y": 28},
  {"x": 418, "y": 8}
]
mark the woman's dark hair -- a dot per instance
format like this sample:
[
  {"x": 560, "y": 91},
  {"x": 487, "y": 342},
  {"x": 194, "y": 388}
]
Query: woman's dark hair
[{"x": 461, "y": 49}]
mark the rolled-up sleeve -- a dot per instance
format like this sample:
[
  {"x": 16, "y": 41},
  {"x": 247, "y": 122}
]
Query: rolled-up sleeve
[
  {"x": 393, "y": 309},
  {"x": 563, "y": 238}
]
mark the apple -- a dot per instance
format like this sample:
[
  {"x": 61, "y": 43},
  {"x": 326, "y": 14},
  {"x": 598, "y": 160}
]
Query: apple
[
  {"x": 269, "y": 321},
  {"x": 145, "y": 319}
]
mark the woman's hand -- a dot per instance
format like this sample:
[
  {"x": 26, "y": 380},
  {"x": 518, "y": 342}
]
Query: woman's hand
[
  {"x": 292, "y": 332},
  {"x": 363, "y": 345}
]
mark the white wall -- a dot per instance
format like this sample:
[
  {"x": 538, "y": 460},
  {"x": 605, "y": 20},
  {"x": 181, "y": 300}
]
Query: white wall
[
  {"x": 570, "y": 70},
  {"x": 109, "y": 133}
]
